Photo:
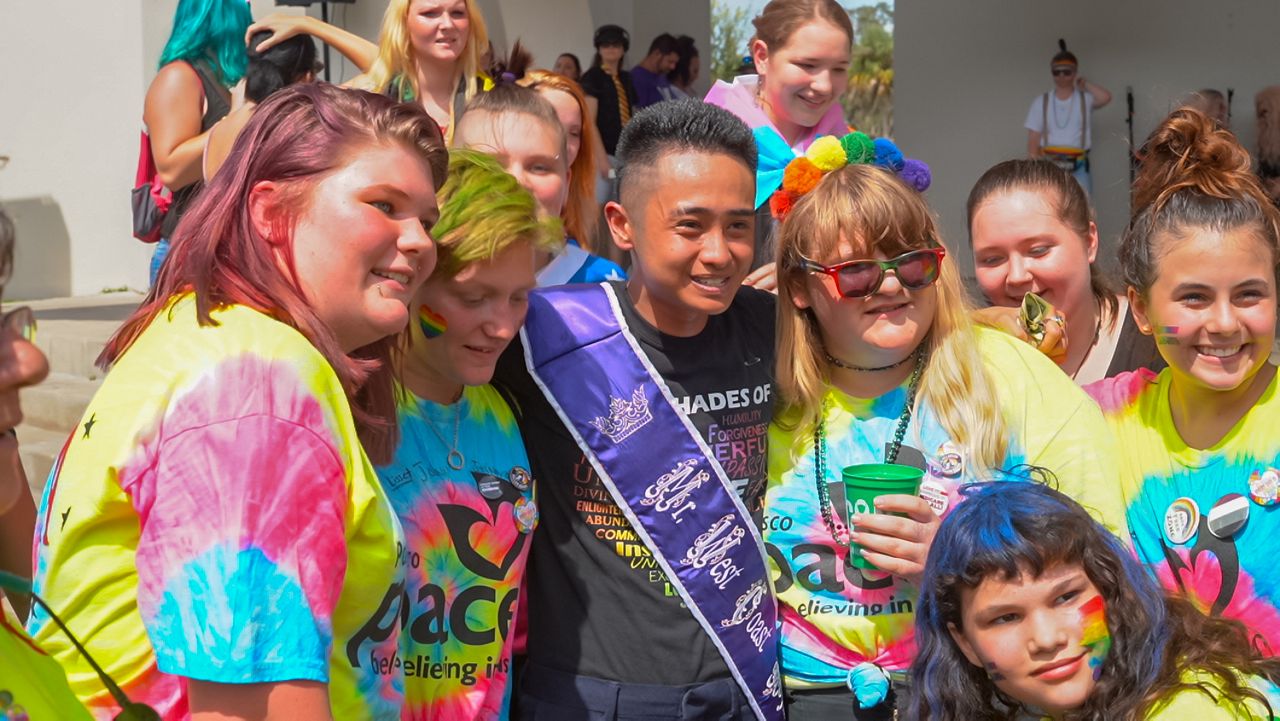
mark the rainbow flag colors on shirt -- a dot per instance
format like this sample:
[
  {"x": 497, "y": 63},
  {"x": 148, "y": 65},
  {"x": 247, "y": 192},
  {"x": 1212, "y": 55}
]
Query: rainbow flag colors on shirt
[
  {"x": 1236, "y": 576},
  {"x": 835, "y": 615},
  {"x": 467, "y": 537},
  {"x": 214, "y": 517}
]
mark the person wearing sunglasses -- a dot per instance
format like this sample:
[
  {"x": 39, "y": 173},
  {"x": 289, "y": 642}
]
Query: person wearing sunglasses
[
  {"x": 880, "y": 362},
  {"x": 1058, "y": 121}
]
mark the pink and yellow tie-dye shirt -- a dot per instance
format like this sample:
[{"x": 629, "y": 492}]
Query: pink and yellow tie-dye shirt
[
  {"x": 835, "y": 615},
  {"x": 1236, "y": 576},
  {"x": 467, "y": 538},
  {"x": 214, "y": 517}
]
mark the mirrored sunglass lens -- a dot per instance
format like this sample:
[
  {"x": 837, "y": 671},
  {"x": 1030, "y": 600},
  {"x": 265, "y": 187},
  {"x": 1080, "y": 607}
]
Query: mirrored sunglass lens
[
  {"x": 918, "y": 270},
  {"x": 859, "y": 280}
]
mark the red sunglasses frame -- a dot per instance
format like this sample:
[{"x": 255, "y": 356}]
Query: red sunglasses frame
[{"x": 833, "y": 271}]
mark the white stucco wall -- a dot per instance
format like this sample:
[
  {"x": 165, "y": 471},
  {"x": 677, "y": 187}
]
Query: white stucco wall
[{"x": 966, "y": 73}]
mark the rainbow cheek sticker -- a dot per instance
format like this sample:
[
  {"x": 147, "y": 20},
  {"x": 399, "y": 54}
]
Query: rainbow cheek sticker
[
  {"x": 1168, "y": 335},
  {"x": 432, "y": 323},
  {"x": 1094, "y": 633},
  {"x": 993, "y": 673}
]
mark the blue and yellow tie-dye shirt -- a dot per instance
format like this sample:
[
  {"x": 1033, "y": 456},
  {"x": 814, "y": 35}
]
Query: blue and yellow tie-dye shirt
[
  {"x": 467, "y": 536},
  {"x": 1236, "y": 576},
  {"x": 836, "y": 615}
]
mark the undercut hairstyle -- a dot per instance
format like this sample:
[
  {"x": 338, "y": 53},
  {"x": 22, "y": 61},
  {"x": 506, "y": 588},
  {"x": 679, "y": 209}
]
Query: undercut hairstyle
[
  {"x": 1195, "y": 176},
  {"x": 484, "y": 211},
  {"x": 664, "y": 44},
  {"x": 296, "y": 138},
  {"x": 1008, "y": 530},
  {"x": 278, "y": 66},
  {"x": 1069, "y": 202},
  {"x": 681, "y": 125}
]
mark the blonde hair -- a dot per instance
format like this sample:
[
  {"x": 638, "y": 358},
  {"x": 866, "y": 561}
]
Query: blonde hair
[
  {"x": 581, "y": 212},
  {"x": 873, "y": 210},
  {"x": 396, "y": 58}
]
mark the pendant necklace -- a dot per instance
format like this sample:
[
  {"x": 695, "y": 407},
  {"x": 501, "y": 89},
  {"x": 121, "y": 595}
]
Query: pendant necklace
[
  {"x": 820, "y": 448},
  {"x": 455, "y": 459},
  {"x": 1097, "y": 333}
]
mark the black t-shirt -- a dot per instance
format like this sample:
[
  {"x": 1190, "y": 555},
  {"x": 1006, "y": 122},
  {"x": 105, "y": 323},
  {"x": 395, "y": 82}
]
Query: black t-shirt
[
  {"x": 597, "y": 83},
  {"x": 599, "y": 604}
]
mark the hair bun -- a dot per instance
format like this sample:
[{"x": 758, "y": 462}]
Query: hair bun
[
  {"x": 1190, "y": 151},
  {"x": 1062, "y": 45}
]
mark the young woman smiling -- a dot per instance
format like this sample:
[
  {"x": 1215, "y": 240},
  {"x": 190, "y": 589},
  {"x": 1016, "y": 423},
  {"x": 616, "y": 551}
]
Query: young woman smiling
[
  {"x": 878, "y": 361},
  {"x": 1200, "y": 461},
  {"x": 801, "y": 52},
  {"x": 1032, "y": 231},
  {"x": 429, "y": 51},
  {"x": 213, "y": 531}
]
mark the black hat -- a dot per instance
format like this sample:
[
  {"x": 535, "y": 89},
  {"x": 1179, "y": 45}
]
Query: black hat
[{"x": 613, "y": 35}]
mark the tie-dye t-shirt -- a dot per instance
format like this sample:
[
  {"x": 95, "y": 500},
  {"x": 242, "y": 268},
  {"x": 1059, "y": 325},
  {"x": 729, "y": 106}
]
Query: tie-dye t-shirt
[
  {"x": 467, "y": 537},
  {"x": 1236, "y": 576},
  {"x": 214, "y": 517},
  {"x": 32, "y": 685},
  {"x": 1207, "y": 702},
  {"x": 836, "y": 615}
]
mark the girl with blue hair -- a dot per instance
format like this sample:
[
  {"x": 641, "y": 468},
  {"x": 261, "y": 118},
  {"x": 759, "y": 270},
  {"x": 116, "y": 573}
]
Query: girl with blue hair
[
  {"x": 204, "y": 57},
  {"x": 1029, "y": 606}
]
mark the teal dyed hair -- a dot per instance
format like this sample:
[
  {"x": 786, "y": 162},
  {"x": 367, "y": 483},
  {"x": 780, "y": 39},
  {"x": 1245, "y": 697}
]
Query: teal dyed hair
[{"x": 211, "y": 30}]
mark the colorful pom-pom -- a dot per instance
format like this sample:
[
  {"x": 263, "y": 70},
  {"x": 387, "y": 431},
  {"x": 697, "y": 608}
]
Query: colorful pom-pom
[
  {"x": 916, "y": 174},
  {"x": 858, "y": 148},
  {"x": 800, "y": 176},
  {"x": 827, "y": 153},
  {"x": 780, "y": 204},
  {"x": 888, "y": 155}
]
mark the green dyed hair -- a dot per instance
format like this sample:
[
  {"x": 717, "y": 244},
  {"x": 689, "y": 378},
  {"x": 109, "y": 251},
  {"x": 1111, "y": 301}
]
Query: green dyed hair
[{"x": 484, "y": 211}]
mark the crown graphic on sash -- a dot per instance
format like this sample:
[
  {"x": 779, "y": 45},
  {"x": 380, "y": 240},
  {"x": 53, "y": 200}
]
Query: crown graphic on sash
[{"x": 625, "y": 417}]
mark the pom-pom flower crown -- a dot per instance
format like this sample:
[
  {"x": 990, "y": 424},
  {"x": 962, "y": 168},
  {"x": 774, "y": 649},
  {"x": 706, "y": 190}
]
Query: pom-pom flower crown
[{"x": 830, "y": 153}]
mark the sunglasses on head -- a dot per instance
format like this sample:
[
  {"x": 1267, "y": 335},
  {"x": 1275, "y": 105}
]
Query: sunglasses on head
[
  {"x": 1064, "y": 72},
  {"x": 915, "y": 270}
]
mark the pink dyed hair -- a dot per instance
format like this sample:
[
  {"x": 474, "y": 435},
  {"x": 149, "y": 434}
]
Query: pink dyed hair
[{"x": 294, "y": 138}]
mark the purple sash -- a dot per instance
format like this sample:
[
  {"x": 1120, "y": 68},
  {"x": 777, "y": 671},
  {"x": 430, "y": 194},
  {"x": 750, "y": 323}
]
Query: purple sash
[{"x": 661, "y": 474}]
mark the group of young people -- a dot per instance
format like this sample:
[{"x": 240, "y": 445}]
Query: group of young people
[{"x": 350, "y": 461}]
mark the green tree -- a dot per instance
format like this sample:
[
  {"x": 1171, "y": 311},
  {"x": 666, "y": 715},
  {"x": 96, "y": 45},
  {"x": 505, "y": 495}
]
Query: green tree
[
  {"x": 868, "y": 103},
  {"x": 729, "y": 39}
]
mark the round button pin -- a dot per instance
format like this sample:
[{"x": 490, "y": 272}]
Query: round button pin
[
  {"x": 490, "y": 486},
  {"x": 519, "y": 478},
  {"x": 1181, "y": 519},
  {"x": 1228, "y": 515},
  {"x": 1264, "y": 487},
  {"x": 935, "y": 494},
  {"x": 526, "y": 513}
]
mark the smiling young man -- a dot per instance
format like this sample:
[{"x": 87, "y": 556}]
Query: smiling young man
[{"x": 645, "y": 406}]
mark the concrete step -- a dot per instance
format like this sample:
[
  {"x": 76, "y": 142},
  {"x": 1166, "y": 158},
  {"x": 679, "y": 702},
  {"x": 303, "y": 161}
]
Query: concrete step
[
  {"x": 38, "y": 448},
  {"x": 72, "y": 346},
  {"x": 59, "y": 402}
]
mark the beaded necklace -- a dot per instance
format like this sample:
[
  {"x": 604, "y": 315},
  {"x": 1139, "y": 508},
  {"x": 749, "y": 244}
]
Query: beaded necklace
[{"x": 820, "y": 451}]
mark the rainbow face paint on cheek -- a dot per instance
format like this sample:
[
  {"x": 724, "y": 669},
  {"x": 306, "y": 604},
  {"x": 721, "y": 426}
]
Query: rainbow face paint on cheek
[
  {"x": 433, "y": 324},
  {"x": 1168, "y": 335},
  {"x": 993, "y": 673},
  {"x": 1095, "y": 636}
]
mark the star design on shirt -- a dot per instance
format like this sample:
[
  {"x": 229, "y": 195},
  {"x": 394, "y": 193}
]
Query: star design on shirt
[
  {"x": 64, "y": 517},
  {"x": 88, "y": 425},
  {"x": 614, "y": 275}
]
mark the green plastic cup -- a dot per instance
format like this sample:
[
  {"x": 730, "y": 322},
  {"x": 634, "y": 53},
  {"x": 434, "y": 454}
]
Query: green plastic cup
[{"x": 863, "y": 484}]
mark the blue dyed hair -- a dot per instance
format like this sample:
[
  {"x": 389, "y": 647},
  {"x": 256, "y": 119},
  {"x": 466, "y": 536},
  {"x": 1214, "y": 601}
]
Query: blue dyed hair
[
  {"x": 213, "y": 31},
  {"x": 1005, "y": 530},
  {"x": 1014, "y": 528}
]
